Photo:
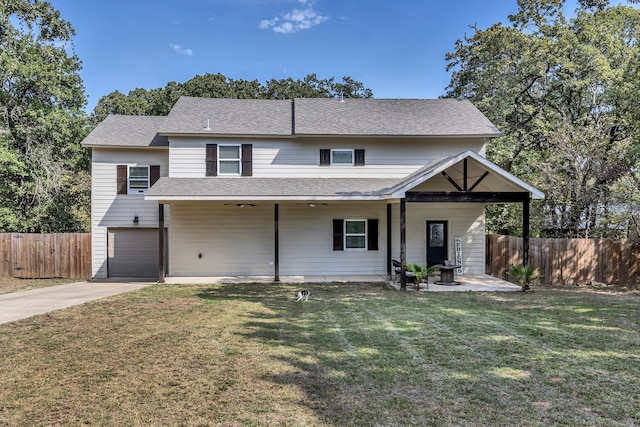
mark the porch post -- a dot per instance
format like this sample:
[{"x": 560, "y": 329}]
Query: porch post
[
  {"x": 525, "y": 231},
  {"x": 389, "y": 240},
  {"x": 276, "y": 249},
  {"x": 403, "y": 243},
  {"x": 161, "y": 243}
]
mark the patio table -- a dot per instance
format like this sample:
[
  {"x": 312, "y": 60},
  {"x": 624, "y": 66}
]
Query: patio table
[{"x": 446, "y": 275}]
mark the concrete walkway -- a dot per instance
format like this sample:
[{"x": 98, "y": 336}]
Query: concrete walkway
[{"x": 22, "y": 304}]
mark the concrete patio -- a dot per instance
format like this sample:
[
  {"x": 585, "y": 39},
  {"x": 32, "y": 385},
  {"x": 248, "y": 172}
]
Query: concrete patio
[{"x": 468, "y": 282}]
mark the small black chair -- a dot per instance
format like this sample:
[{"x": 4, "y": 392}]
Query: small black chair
[{"x": 397, "y": 269}]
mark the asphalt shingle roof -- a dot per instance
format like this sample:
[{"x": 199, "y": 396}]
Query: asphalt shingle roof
[
  {"x": 301, "y": 117},
  {"x": 388, "y": 117},
  {"x": 229, "y": 117},
  {"x": 127, "y": 131},
  {"x": 249, "y": 187}
]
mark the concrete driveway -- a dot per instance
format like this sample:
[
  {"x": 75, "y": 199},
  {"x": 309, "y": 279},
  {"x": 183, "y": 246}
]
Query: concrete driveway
[{"x": 23, "y": 304}]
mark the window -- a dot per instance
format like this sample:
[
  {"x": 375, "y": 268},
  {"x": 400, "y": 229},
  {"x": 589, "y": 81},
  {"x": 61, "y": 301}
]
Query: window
[
  {"x": 355, "y": 234},
  {"x": 138, "y": 181},
  {"x": 229, "y": 159},
  {"x": 342, "y": 157},
  {"x": 346, "y": 157}
]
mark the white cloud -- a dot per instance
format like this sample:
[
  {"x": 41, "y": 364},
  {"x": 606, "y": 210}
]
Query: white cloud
[
  {"x": 294, "y": 21},
  {"x": 181, "y": 50}
]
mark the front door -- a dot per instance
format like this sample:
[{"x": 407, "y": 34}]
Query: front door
[{"x": 436, "y": 242}]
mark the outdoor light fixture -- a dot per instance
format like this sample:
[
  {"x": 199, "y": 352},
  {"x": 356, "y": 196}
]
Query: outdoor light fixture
[
  {"x": 136, "y": 219},
  {"x": 312, "y": 205}
]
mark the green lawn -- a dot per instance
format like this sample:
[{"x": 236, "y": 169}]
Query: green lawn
[
  {"x": 353, "y": 354},
  {"x": 12, "y": 284}
]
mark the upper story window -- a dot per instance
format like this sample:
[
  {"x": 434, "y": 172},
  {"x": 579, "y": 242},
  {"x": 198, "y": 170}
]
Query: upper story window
[
  {"x": 342, "y": 157},
  {"x": 136, "y": 179},
  {"x": 229, "y": 159},
  {"x": 346, "y": 157}
]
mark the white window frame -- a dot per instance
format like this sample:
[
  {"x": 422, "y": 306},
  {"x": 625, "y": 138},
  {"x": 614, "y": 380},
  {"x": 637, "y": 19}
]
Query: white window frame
[
  {"x": 238, "y": 160},
  {"x": 346, "y": 235},
  {"x": 129, "y": 179},
  {"x": 333, "y": 150}
]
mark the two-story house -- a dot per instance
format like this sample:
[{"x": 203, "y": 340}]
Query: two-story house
[{"x": 228, "y": 187}]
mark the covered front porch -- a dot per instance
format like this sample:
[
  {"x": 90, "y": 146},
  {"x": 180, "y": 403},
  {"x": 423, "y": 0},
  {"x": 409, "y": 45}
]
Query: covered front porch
[{"x": 280, "y": 229}]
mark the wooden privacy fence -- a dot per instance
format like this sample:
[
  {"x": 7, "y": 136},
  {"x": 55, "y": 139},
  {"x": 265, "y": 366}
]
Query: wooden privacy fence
[
  {"x": 568, "y": 261},
  {"x": 41, "y": 256}
]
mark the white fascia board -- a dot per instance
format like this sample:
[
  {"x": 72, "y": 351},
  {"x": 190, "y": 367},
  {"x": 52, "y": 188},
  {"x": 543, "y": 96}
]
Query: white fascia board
[{"x": 266, "y": 198}]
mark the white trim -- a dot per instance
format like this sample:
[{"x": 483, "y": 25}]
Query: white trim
[
  {"x": 399, "y": 193},
  {"x": 140, "y": 191},
  {"x": 272, "y": 198},
  {"x": 238, "y": 160},
  {"x": 333, "y": 150},
  {"x": 345, "y": 234}
]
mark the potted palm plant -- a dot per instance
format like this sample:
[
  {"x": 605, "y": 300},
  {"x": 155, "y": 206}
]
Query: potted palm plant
[
  {"x": 421, "y": 272},
  {"x": 524, "y": 275}
]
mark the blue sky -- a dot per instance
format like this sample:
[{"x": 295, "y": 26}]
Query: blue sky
[{"x": 395, "y": 47}]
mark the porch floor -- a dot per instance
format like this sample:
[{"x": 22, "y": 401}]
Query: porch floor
[{"x": 468, "y": 282}]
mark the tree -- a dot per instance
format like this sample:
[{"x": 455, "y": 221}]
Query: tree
[
  {"x": 159, "y": 101},
  {"x": 563, "y": 93},
  {"x": 44, "y": 183}
]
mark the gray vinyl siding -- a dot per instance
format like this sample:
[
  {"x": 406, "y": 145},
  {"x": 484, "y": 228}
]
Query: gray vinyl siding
[
  {"x": 240, "y": 241},
  {"x": 464, "y": 219},
  {"x": 384, "y": 157},
  {"x": 109, "y": 209}
]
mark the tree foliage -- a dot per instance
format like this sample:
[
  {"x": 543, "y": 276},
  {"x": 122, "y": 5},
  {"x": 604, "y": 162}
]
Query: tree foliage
[
  {"x": 158, "y": 102},
  {"x": 44, "y": 179},
  {"x": 563, "y": 93}
]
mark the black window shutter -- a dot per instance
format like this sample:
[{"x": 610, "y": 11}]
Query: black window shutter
[
  {"x": 121, "y": 180},
  {"x": 247, "y": 159},
  {"x": 154, "y": 174},
  {"x": 212, "y": 160},
  {"x": 358, "y": 157},
  {"x": 325, "y": 157},
  {"x": 338, "y": 236},
  {"x": 372, "y": 234}
]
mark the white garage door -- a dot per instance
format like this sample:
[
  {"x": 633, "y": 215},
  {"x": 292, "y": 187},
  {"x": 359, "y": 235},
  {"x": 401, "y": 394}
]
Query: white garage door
[{"x": 133, "y": 252}]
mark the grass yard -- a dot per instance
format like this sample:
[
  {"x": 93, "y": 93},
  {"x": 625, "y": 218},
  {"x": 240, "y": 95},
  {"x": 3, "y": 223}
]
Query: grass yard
[
  {"x": 11, "y": 284},
  {"x": 353, "y": 354}
]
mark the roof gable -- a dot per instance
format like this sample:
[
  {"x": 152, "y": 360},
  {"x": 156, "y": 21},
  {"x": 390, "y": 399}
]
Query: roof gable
[{"x": 434, "y": 168}]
